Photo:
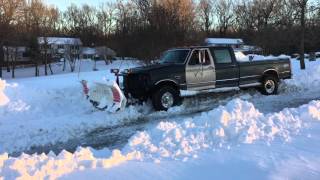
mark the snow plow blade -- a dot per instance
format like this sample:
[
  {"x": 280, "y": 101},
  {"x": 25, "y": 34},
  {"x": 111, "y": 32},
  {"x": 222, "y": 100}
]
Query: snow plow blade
[{"x": 105, "y": 96}]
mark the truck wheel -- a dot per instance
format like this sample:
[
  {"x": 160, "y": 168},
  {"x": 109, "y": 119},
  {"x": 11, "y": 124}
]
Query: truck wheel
[
  {"x": 270, "y": 85},
  {"x": 165, "y": 98}
]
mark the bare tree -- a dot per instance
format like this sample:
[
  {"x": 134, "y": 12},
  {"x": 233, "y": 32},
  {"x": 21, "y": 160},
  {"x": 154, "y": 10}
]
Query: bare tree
[
  {"x": 225, "y": 15},
  {"x": 9, "y": 10},
  {"x": 302, "y": 4},
  {"x": 205, "y": 9}
]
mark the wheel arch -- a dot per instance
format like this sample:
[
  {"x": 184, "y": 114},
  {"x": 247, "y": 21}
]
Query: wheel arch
[{"x": 165, "y": 82}]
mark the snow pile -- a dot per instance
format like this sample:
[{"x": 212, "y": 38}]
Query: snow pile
[
  {"x": 241, "y": 57},
  {"x": 45, "y": 111},
  {"x": 51, "y": 166},
  {"x": 237, "y": 122},
  {"x": 270, "y": 57},
  {"x": 308, "y": 79},
  {"x": 3, "y": 98}
]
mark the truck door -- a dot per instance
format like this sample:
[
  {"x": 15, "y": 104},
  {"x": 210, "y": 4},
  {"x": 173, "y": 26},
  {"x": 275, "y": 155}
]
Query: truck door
[
  {"x": 200, "y": 71},
  {"x": 227, "y": 70}
]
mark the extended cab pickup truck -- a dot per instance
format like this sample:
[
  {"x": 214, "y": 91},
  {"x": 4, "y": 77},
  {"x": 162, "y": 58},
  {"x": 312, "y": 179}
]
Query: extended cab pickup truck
[{"x": 201, "y": 69}]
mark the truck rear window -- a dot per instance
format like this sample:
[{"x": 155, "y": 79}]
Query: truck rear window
[{"x": 175, "y": 56}]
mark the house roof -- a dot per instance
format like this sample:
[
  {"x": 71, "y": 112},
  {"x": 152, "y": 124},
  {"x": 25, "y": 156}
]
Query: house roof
[
  {"x": 88, "y": 51},
  {"x": 18, "y": 48},
  {"x": 59, "y": 40},
  {"x": 223, "y": 41}
]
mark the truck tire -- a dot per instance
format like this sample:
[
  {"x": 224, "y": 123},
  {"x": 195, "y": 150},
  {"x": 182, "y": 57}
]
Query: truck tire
[
  {"x": 270, "y": 85},
  {"x": 165, "y": 98}
]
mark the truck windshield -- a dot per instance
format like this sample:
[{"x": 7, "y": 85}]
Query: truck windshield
[{"x": 175, "y": 56}]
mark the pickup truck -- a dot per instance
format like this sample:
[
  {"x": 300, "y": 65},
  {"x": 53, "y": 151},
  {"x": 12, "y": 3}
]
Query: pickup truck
[{"x": 201, "y": 69}]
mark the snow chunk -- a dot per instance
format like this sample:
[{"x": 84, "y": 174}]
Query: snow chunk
[
  {"x": 50, "y": 167},
  {"x": 3, "y": 98}
]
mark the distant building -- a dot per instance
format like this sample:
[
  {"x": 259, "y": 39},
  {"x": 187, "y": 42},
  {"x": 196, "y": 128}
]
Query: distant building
[
  {"x": 105, "y": 53},
  {"x": 58, "y": 46},
  {"x": 88, "y": 53},
  {"x": 20, "y": 53},
  {"x": 98, "y": 53}
]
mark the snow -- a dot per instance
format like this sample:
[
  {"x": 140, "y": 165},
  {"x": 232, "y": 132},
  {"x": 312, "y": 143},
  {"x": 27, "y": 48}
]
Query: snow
[
  {"x": 254, "y": 57},
  {"x": 225, "y": 126},
  {"x": 241, "y": 57},
  {"x": 53, "y": 109},
  {"x": 51, "y": 166},
  {"x": 3, "y": 98},
  {"x": 232, "y": 140},
  {"x": 223, "y": 41},
  {"x": 228, "y": 128},
  {"x": 88, "y": 51}
]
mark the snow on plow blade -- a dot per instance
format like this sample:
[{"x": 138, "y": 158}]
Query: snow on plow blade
[{"x": 105, "y": 96}]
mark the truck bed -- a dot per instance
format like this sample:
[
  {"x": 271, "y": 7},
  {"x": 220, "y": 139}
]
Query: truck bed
[{"x": 250, "y": 71}]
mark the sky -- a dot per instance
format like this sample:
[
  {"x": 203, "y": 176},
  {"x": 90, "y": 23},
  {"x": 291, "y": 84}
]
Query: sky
[{"x": 63, "y": 4}]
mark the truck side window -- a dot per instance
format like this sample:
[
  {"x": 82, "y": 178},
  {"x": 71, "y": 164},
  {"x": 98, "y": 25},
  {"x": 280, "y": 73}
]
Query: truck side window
[
  {"x": 206, "y": 60},
  {"x": 204, "y": 55},
  {"x": 194, "y": 60},
  {"x": 222, "y": 56}
]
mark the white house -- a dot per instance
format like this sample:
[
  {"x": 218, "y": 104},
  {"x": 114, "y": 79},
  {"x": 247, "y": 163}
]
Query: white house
[
  {"x": 19, "y": 53},
  {"x": 57, "y": 46},
  {"x": 98, "y": 53},
  {"x": 88, "y": 53}
]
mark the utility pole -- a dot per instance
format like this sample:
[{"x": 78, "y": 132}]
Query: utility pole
[{"x": 303, "y": 6}]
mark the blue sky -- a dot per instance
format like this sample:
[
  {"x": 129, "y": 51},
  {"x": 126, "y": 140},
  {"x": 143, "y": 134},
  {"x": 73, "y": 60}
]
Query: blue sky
[{"x": 62, "y": 4}]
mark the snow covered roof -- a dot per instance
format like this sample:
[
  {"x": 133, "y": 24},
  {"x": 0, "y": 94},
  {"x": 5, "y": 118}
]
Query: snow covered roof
[
  {"x": 88, "y": 50},
  {"x": 103, "y": 50},
  {"x": 223, "y": 41},
  {"x": 18, "y": 48},
  {"x": 59, "y": 40}
]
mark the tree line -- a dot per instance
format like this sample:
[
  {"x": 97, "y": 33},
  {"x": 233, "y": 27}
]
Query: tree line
[{"x": 144, "y": 28}]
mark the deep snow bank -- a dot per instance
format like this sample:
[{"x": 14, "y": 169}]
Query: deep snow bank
[
  {"x": 3, "y": 98},
  {"x": 225, "y": 127},
  {"x": 51, "y": 166},
  {"x": 49, "y": 110},
  {"x": 308, "y": 79}
]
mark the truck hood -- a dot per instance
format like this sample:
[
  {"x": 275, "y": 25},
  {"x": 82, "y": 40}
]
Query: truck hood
[{"x": 149, "y": 68}]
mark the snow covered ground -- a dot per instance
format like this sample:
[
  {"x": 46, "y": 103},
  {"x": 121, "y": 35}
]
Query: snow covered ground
[
  {"x": 249, "y": 136},
  {"x": 235, "y": 140}
]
